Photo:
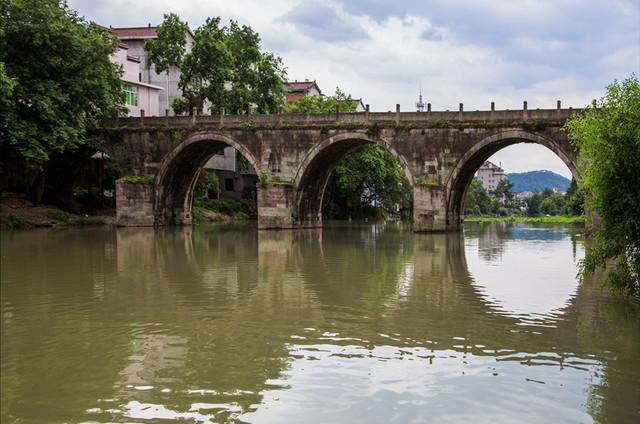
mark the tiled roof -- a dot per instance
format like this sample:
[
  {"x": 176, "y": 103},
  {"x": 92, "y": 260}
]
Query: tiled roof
[
  {"x": 135, "y": 32},
  {"x": 297, "y": 86}
]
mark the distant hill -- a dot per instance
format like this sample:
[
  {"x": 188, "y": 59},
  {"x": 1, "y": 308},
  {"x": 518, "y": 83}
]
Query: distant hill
[{"x": 537, "y": 181}]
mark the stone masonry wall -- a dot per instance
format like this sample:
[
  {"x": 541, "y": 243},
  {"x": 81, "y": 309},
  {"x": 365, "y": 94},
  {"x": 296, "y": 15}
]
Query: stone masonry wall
[{"x": 134, "y": 204}]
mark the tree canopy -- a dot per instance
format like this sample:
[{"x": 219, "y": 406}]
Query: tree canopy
[
  {"x": 169, "y": 48},
  {"x": 503, "y": 202},
  {"x": 56, "y": 83},
  {"x": 225, "y": 67},
  {"x": 323, "y": 104},
  {"x": 608, "y": 139},
  {"x": 57, "y": 79}
]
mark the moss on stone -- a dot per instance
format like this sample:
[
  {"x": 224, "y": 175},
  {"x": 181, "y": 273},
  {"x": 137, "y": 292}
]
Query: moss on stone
[{"x": 137, "y": 179}]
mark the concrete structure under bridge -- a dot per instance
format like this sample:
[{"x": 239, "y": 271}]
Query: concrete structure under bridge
[{"x": 439, "y": 152}]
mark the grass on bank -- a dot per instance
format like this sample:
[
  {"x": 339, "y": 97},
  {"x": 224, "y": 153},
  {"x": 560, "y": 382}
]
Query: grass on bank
[
  {"x": 557, "y": 219},
  {"x": 216, "y": 211}
]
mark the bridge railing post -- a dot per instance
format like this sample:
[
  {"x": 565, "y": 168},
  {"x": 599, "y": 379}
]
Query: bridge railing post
[
  {"x": 397, "y": 114},
  {"x": 221, "y": 116},
  {"x": 366, "y": 113},
  {"x": 429, "y": 111},
  {"x": 460, "y": 110},
  {"x": 525, "y": 111},
  {"x": 166, "y": 116},
  {"x": 141, "y": 116},
  {"x": 558, "y": 108},
  {"x": 493, "y": 109},
  {"x": 194, "y": 114}
]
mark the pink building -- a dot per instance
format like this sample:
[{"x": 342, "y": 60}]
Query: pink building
[{"x": 138, "y": 95}]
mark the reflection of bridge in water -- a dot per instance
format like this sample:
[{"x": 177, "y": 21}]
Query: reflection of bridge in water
[
  {"x": 229, "y": 311},
  {"x": 367, "y": 287}
]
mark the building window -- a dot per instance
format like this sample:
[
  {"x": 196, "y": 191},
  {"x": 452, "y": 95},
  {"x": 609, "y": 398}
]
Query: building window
[
  {"x": 228, "y": 184},
  {"x": 130, "y": 95}
]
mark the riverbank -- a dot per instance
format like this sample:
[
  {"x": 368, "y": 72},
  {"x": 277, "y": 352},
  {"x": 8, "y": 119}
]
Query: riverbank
[
  {"x": 558, "y": 219},
  {"x": 17, "y": 212}
]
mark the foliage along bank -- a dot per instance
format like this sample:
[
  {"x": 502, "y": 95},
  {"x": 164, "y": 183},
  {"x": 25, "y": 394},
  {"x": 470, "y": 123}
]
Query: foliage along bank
[{"x": 607, "y": 136}]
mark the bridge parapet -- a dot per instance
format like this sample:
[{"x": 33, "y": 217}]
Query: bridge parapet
[{"x": 357, "y": 118}]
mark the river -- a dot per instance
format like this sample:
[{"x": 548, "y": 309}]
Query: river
[{"x": 351, "y": 323}]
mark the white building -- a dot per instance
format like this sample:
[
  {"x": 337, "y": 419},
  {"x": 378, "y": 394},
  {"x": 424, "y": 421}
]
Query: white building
[{"x": 490, "y": 175}]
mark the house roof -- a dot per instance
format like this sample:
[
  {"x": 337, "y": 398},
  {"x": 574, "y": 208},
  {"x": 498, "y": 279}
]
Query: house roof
[
  {"x": 492, "y": 166},
  {"x": 358, "y": 102},
  {"x": 136, "y": 33},
  {"x": 302, "y": 86}
]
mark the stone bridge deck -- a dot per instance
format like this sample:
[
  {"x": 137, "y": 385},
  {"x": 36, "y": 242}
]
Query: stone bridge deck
[
  {"x": 438, "y": 151},
  {"x": 430, "y": 118}
]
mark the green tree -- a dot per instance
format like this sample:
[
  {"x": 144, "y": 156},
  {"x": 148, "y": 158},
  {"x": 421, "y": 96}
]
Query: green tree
[
  {"x": 62, "y": 84},
  {"x": 477, "y": 201},
  {"x": 552, "y": 203},
  {"x": 169, "y": 48},
  {"x": 608, "y": 139},
  {"x": 225, "y": 67},
  {"x": 533, "y": 204},
  {"x": 574, "y": 200},
  {"x": 367, "y": 182},
  {"x": 504, "y": 193},
  {"x": 167, "y": 51},
  {"x": 323, "y": 104}
]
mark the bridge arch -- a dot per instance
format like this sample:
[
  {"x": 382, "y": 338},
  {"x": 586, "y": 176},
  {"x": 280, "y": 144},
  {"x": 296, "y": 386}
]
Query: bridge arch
[
  {"x": 179, "y": 170},
  {"x": 313, "y": 173},
  {"x": 466, "y": 167}
]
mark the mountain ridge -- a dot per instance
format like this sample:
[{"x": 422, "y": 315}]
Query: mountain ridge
[{"x": 537, "y": 181}]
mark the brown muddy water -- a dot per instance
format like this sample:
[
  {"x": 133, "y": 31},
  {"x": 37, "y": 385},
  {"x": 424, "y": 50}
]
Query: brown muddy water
[{"x": 351, "y": 323}]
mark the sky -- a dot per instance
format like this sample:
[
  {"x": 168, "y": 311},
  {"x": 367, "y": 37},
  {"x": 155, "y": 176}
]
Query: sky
[{"x": 456, "y": 51}]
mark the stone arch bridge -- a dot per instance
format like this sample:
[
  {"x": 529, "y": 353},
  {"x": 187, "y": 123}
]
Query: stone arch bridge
[{"x": 296, "y": 153}]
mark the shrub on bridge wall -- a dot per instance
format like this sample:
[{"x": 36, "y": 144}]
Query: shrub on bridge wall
[
  {"x": 137, "y": 179},
  {"x": 426, "y": 181},
  {"x": 264, "y": 179}
]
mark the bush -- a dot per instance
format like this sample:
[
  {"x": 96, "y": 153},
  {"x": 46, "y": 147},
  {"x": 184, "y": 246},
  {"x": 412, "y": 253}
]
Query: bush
[
  {"x": 137, "y": 179},
  {"x": 12, "y": 221},
  {"x": 242, "y": 209}
]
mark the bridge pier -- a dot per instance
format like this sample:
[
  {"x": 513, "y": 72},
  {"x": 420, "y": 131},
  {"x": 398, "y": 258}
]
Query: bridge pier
[
  {"x": 134, "y": 204},
  {"x": 429, "y": 209},
  {"x": 275, "y": 206}
]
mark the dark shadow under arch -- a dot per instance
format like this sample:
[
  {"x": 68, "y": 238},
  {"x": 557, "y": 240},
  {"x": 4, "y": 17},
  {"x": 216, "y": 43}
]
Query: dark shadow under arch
[
  {"x": 179, "y": 171},
  {"x": 313, "y": 173},
  {"x": 462, "y": 174}
]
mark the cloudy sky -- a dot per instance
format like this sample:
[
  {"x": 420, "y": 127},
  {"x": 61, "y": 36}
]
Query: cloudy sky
[{"x": 469, "y": 51}]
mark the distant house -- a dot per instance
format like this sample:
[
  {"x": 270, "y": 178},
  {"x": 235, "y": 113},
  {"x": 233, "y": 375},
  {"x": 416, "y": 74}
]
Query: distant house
[
  {"x": 234, "y": 182},
  {"x": 138, "y": 95},
  {"x": 134, "y": 38},
  {"x": 360, "y": 107},
  {"x": 299, "y": 89},
  {"x": 490, "y": 175}
]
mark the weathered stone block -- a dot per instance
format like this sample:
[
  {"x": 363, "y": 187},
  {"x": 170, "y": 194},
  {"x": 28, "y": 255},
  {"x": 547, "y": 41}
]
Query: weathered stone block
[{"x": 134, "y": 204}]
